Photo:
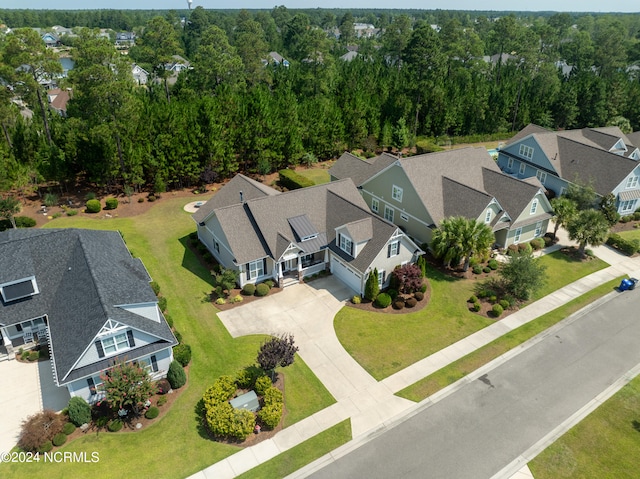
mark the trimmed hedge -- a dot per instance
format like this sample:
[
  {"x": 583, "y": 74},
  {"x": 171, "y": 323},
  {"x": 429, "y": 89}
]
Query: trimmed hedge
[
  {"x": 629, "y": 247},
  {"x": 249, "y": 289},
  {"x": 93, "y": 206},
  {"x": 419, "y": 295},
  {"x": 262, "y": 289},
  {"x": 110, "y": 204},
  {"x": 221, "y": 391},
  {"x": 497, "y": 310},
  {"x": 68, "y": 428},
  {"x": 383, "y": 300},
  {"x": 263, "y": 383},
  {"x": 292, "y": 180},
  {"x": 493, "y": 264},
  {"x": 59, "y": 439},
  {"x": 223, "y": 420},
  {"x": 176, "y": 375},
  {"x": 152, "y": 412},
  {"x": 79, "y": 411},
  {"x": 425, "y": 146},
  {"x": 115, "y": 425},
  {"x": 411, "y": 302}
]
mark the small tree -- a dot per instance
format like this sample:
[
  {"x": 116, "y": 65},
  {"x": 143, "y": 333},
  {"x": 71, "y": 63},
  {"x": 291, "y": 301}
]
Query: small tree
[
  {"x": 588, "y": 227},
  {"x": 79, "y": 411},
  {"x": 176, "y": 375},
  {"x": 564, "y": 209},
  {"x": 609, "y": 209},
  {"x": 224, "y": 281},
  {"x": 127, "y": 384},
  {"x": 9, "y": 207},
  {"x": 40, "y": 428},
  {"x": 372, "y": 288},
  {"x": 583, "y": 195},
  {"x": 422, "y": 264},
  {"x": 522, "y": 275},
  {"x": 277, "y": 351},
  {"x": 408, "y": 278}
]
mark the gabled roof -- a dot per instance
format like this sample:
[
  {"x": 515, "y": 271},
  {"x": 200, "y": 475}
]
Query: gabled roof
[
  {"x": 634, "y": 138},
  {"x": 462, "y": 200},
  {"x": 81, "y": 275},
  {"x": 359, "y": 170}
]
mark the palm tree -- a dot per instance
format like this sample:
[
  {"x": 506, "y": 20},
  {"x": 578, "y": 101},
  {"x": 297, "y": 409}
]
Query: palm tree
[
  {"x": 460, "y": 238},
  {"x": 477, "y": 238},
  {"x": 588, "y": 227},
  {"x": 564, "y": 209},
  {"x": 9, "y": 207}
]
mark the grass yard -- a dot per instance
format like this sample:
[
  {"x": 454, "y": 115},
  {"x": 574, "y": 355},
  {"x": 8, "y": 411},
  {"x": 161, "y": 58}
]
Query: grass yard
[
  {"x": 176, "y": 446},
  {"x": 469, "y": 363},
  {"x": 302, "y": 454},
  {"x": 630, "y": 234},
  {"x": 604, "y": 445},
  {"x": 317, "y": 175},
  {"x": 563, "y": 270}
]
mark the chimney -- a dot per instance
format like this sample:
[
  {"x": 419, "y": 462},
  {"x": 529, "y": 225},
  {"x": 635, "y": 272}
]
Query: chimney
[{"x": 241, "y": 198}]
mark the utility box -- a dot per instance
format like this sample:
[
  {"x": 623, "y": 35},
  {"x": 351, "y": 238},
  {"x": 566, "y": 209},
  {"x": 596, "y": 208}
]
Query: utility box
[{"x": 247, "y": 401}]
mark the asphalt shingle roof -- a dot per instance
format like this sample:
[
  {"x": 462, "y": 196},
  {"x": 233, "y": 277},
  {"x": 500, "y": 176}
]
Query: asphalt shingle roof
[{"x": 359, "y": 170}]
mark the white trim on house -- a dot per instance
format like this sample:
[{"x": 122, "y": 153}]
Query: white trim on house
[{"x": 381, "y": 200}]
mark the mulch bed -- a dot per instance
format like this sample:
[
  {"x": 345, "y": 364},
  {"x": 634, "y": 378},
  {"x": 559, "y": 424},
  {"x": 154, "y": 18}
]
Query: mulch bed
[{"x": 366, "y": 305}]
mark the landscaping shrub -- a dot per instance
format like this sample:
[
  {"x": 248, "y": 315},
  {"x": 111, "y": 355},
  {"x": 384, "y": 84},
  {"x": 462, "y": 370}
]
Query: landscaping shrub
[
  {"x": 237, "y": 299},
  {"x": 90, "y": 196},
  {"x": 476, "y": 306},
  {"x": 141, "y": 200},
  {"x": 512, "y": 248},
  {"x": 246, "y": 377},
  {"x": 93, "y": 206},
  {"x": 176, "y": 375},
  {"x": 178, "y": 335},
  {"x": 292, "y": 180},
  {"x": 269, "y": 283},
  {"x": 625, "y": 219},
  {"x": 510, "y": 300},
  {"x": 249, "y": 289},
  {"x": 383, "y": 300},
  {"x": 473, "y": 298},
  {"x": 151, "y": 198},
  {"x": 393, "y": 293},
  {"x": 629, "y": 247},
  {"x": 21, "y": 222},
  {"x": 473, "y": 261},
  {"x": 411, "y": 302},
  {"x": 270, "y": 415},
  {"x": 162, "y": 303},
  {"x": 155, "y": 287},
  {"x": 152, "y": 412},
  {"x": 419, "y": 295},
  {"x": 263, "y": 383},
  {"x": 525, "y": 248},
  {"x": 504, "y": 303},
  {"x": 493, "y": 299},
  {"x": 79, "y": 411},
  {"x": 477, "y": 269},
  {"x": 486, "y": 269},
  {"x": 548, "y": 241},
  {"x": 398, "y": 304},
  {"x": 493, "y": 264},
  {"x": 182, "y": 354},
  {"x": 110, "y": 204},
  {"x": 223, "y": 420},
  {"x": 425, "y": 146},
  {"x": 497, "y": 310},
  {"x": 40, "y": 428},
  {"x": 50, "y": 199},
  {"x": 272, "y": 396},
  {"x": 356, "y": 299},
  {"x": 162, "y": 400},
  {"x": 537, "y": 244},
  {"x": 221, "y": 301},
  {"x": 115, "y": 425},
  {"x": 59, "y": 439},
  {"x": 163, "y": 386},
  {"x": 46, "y": 447},
  {"x": 68, "y": 428},
  {"x": 34, "y": 355},
  {"x": 423, "y": 288},
  {"x": 221, "y": 390},
  {"x": 24, "y": 355},
  {"x": 169, "y": 319},
  {"x": 636, "y": 215},
  {"x": 72, "y": 212},
  {"x": 262, "y": 289}
]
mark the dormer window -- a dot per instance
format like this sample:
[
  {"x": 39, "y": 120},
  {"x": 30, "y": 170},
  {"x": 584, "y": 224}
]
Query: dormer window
[
  {"x": 487, "y": 217},
  {"x": 15, "y": 290},
  {"x": 114, "y": 344},
  {"x": 346, "y": 245},
  {"x": 526, "y": 151},
  {"x": 534, "y": 207},
  {"x": 632, "y": 182}
]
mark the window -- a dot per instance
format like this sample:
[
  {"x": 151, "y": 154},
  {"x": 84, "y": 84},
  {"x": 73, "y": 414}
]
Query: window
[
  {"x": 632, "y": 182},
  {"x": 381, "y": 278},
  {"x": 396, "y": 193},
  {"x": 149, "y": 364},
  {"x": 538, "y": 231},
  {"x": 375, "y": 205},
  {"x": 255, "y": 269},
  {"x": 534, "y": 207},
  {"x": 516, "y": 238},
  {"x": 510, "y": 163},
  {"x": 346, "y": 245},
  {"x": 113, "y": 344},
  {"x": 388, "y": 213},
  {"x": 563, "y": 190},
  {"x": 216, "y": 246},
  {"x": 308, "y": 260},
  {"x": 404, "y": 216},
  {"x": 526, "y": 151},
  {"x": 393, "y": 249},
  {"x": 627, "y": 206},
  {"x": 522, "y": 168},
  {"x": 487, "y": 217},
  {"x": 542, "y": 176},
  {"x": 94, "y": 384}
]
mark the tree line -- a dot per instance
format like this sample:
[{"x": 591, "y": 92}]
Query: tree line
[{"x": 234, "y": 110}]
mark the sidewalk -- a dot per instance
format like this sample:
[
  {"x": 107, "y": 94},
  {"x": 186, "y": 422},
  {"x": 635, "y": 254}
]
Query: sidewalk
[{"x": 372, "y": 405}]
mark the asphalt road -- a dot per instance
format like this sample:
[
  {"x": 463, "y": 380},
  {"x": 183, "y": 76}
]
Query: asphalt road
[{"x": 479, "y": 429}]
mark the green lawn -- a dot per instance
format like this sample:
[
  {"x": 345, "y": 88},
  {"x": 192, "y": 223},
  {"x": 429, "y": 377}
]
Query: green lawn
[
  {"x": 175, "y": 446},
  {"x": 302, "y": 454},
  {"x": 317, "y": 175},
  {"x": 369, "y": 337},
  {"x": 469, "y": 363},
  {"x": 603, "y": 445},
  {"x": 630, "y": 234}
]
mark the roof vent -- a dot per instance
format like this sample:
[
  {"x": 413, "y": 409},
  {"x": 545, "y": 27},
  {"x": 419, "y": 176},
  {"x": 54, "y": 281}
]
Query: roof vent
[{"x": 241, "y": 198}]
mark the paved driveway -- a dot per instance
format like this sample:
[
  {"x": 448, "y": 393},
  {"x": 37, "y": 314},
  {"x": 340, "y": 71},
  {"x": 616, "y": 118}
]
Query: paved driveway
[{"x": 25, "y": 388}]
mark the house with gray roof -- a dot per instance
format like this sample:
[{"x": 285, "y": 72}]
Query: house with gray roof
[
  {"x": 416, "y": 193},
  {"x": 265, "y": 234},
  {"x": 603, "y": 157},
  {"x": 82, "y": 293}
]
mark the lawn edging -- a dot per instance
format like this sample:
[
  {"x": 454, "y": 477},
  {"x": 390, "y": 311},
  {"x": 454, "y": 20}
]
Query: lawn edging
[{"x": 468, "y": 368}]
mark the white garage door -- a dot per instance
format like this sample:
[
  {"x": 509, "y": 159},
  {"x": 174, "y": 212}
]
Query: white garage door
[{"x": 346, "y": 274}]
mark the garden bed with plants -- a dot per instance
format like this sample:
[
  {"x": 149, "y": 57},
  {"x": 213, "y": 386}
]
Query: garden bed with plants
[{"x": 39, "y": 353}]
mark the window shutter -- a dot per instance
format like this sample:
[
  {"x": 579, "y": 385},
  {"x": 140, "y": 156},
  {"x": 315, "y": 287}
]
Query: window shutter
[
  {"x": 351, "y": 249},
  {"x": 248, "y": 271},
  {"x": 384, "y": 276},
  {"x": 339, "y": 239},
  {"x": 132, "y": 342},
  {"x": 389, "y": 250},
  {"x": 99, "y": 348},
  {"x": 154, "y": 364},
  {"x": 19, "y": 328},
  {"x": 92, "y": 386},
  {"x": 264, "y": 265}
]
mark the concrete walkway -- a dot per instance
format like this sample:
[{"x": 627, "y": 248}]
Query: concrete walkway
[{"x": 307, "y": 311}]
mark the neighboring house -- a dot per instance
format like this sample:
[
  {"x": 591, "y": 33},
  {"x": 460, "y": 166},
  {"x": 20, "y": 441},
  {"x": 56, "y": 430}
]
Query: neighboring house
[
  {"x": 125, "y": 39},
  {"x": 349, "y": 56},
  {"x": 50, "y": 39},
  {"x": 265, "y": 234},
  {"x": 275, "y": 58},
  {"x": 603, "y": 157},
  {"x": 634, "y": 138},
  {"x": 418, "y": 192},
  {"x": 58, "y": 100},
  {"x": 498, "y": 58},
  {"x": 140, "y": 75},
  {"x": 177, "y": 65},
  {"x": 83, "y": 293}
]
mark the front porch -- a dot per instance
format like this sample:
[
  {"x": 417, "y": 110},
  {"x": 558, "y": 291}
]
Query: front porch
[
  {"x": 26, "y": 335},
  {"x": 294, "y": 269}
]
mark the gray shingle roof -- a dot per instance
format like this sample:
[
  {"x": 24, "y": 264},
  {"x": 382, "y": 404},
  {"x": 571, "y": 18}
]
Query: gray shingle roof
[
  {"x": 359, "y": 170},
  {"x": 514, "y": 195},
  {"x": 360, "y": 230},
  {"x": 82, "y": 275},
  {"x": 634, "y": 138}
]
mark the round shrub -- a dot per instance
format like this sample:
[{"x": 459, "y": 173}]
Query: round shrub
[
  {"x": 473, "y": 298},
  {"x": 46, "y": 447},
  {"x": 486, "y": 269},
  {"x": 163, "y": 386},
  {"x": 162, "y": 303},
  {"x": 504, "y": 303},
  {"x": 115, "y": 425},
  {"x": 24, "y": 222},
  {"x": 176, "y": 375},
  {"x": 393, "y": 293},
  {"x": 636, "y": 215},
  {"x": 68, "y": 428},
  {"x": 423, "y": 288},
  {"x": 110, "y": 204},
  {"x": 178, "y": 336},
  {"x": 383, "y": 300},
  {"x": 141, "y": 200},
  {"x": 411, "y": 302},
  {"x": 477, "y": 269},
  {"x": 221, "y": 390},
  {"x": 59, "y": 439},
  {"x": 269, "y": 283},
  {"x": 79, "y": 411},
  {"x": 493, "y": 264},
  {"x": 151, "y": 198},
  {"x": 398, "y": 304},
  {"x": 182, "y": 354},
  {"x": 476, "y": 306},
  {"x": 225, "y": 421},
  {"x": 263, "y": 383},
  {"x": 493, "y": 298},
  {"x": 512, "y": 249},
  {"x": 497, "y": 310},
  {"x": 162, "y": 400},
  {"x": 237, "y": 299},
  {"x": 93, "y": 206},
  {"x": 152, "y": 412},
  {"x": 525, "y": 248},
  {"x": 356, "y": 299},
  {"x": 221, "y": 301},
  {"x": 246, "y": 377},
  {"x": 419, "y": 295},
  {"x": 270, "y": 415},
  {"x": 249, "y": 289},
  {"x": 262, "y": 289},
  {"x": 34, "y": 355}
]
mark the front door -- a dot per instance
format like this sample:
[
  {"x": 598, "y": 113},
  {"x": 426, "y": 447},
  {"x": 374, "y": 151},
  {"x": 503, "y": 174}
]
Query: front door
[{"x": 289, "y": 265}]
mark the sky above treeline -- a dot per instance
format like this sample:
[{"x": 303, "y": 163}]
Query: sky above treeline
[{"x": 627, "y": 6}]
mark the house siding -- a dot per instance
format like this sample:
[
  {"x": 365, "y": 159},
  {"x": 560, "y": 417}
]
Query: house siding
[
  {"x": 552, "y": 182},
  {"x": 539, "y": 159},
  {"x": 91, "y": 355},
  {"x": 382, "y": 263},
  {"x": 210, "y": 233},
  {"x": 527, "y": 233},
  {"x": 622, "y": 188}
]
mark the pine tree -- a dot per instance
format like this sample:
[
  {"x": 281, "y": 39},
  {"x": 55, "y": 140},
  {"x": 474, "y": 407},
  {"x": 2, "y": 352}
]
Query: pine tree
[{"x": 371, "y": 288}]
